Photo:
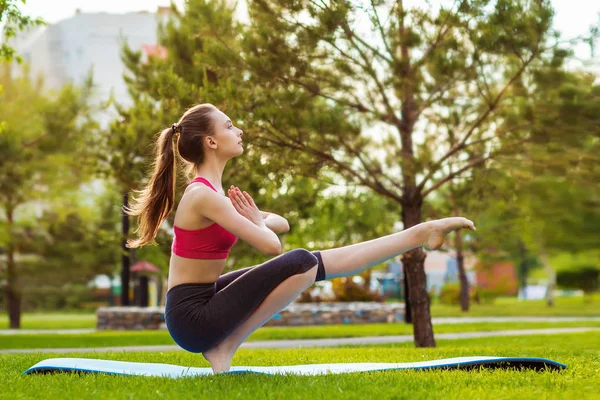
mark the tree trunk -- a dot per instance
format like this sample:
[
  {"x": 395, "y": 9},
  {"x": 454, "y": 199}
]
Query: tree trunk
[
  {"x": 367, "y": 278},
  {"x": 125, "y": 259},
  {"x": 551, "y": 277},
  {"x": 11, "y": 291},
  {"x": 462, "y": 274},
  {"x": 163, "y": 290},
  {"x": 417, "y": 298},
  {"x": 413, "y": 265},
  {"x": 523, "y": 267},
  {"x": 143, "y": 291},
  {"x": 407, "y": 308}
]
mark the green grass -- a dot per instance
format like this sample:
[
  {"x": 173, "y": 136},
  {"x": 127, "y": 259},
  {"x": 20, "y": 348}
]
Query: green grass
[
  {"x": 565, "y": 306},
  {"x": 53, "y": 320},
  {"x": 580, "y": 352},
  {"x": 511, "y": 306},
  {"x": 141, "y": 338}
]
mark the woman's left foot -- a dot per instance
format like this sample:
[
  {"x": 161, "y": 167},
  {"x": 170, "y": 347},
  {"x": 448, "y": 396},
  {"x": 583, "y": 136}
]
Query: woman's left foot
[
  {"x": 219, "y": 358},
  {"x": 439, "y": 228}
]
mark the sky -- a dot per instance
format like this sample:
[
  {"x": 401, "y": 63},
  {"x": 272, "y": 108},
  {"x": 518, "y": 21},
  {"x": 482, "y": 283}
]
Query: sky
[{"x": 573, "y": 17}]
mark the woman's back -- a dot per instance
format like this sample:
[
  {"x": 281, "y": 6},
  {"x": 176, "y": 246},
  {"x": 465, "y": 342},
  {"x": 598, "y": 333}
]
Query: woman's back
[{"x": 188, "y": 220}]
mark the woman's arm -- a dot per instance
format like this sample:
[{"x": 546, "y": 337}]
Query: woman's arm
[{"x": 275, "y": 222}]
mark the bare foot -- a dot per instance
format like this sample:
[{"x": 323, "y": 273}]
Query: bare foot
[
  {"x": 219, "y": 358},
  {"x": 439, "y": 228}
]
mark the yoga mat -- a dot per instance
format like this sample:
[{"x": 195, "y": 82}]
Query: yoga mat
[{"x": 89, "y": 365}]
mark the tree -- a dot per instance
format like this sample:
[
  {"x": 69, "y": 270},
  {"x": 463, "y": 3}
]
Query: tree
[
  {"x": 309, "y": 90},
  {"x": 445, "y": 76},
  {"x": 547, "y": 184},
  {"x": 13, "y": 21},
  {"x": 42, "y": 150},
  {"x": 579, "y": 271},
  {"x": 556, "y": 203},
  {"x": 455, "y": 199},
  {"x": 194, "y": 69}
]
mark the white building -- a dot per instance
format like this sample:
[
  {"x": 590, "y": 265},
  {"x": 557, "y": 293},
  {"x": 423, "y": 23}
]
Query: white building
[{"x": 67, "y": 50}]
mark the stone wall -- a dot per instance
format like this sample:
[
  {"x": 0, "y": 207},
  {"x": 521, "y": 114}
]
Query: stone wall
[
  {"x": 295, "y": 314},
  {"x": 128, "y": 318}
]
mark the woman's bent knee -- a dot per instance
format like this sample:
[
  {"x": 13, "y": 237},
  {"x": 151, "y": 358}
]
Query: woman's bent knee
[{"x": 304, "y": 259}]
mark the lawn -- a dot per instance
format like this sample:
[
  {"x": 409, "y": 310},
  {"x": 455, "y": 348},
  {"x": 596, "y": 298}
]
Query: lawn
[
  {"x": 161, "y": 337},
  {"x": 53, "y": 320},
  {"x": 511, "y": 306},
  {"x": 580, "y": 352},
  {"x": 566, "y": 306}
]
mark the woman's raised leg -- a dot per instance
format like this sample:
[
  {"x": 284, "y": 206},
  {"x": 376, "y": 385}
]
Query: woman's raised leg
[
  {"x": 353, "y": 259},
  {"x": 343, "y": 261}
]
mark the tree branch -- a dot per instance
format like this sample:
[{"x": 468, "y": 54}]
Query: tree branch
[
  {"x": 472, "y": 164},
  {"x": 377, "y": 187},
  {"x": 385, "y": 43},
  {"x": 316, "y": 91},
  {"x": 35, "y": 140},
  {"x": 373, "y": 173},
  {"x": 440, "y": 35},
  {"x": 367, "y": 68},
  {"x": 441, "y": 91},
  {"x": 478, "y": 122}
]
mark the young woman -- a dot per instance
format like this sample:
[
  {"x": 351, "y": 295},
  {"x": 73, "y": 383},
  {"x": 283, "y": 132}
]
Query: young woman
[{"x": 210, "y": 313}]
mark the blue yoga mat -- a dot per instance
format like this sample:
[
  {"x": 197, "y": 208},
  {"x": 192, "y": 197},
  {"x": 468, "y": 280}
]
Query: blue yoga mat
[{"x": 90, "y": 365}]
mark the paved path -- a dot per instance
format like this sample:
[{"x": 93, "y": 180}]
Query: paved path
[
  {"x": 467, "y": 320},
  {"x": 285, "y": 344},
  {"x": 435, "y": 321},
  {"x": 45, "y": 331}
]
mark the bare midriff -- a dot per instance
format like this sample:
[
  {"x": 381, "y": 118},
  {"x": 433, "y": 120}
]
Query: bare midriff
[{"x": 192, "y": 270}]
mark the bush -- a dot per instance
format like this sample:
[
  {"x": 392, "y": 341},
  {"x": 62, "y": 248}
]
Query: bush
[
  {"x": 585, "y": 279},
  {"x": 487, "y": 295},
  {"x": 64, "y": 297},
  {"x": 346, "y": 290},
  {"x": 450, "y": 294}
]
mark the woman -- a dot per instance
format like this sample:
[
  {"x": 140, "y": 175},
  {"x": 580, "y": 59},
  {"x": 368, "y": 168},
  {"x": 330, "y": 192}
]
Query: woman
[{"x": 210, "y": 313}]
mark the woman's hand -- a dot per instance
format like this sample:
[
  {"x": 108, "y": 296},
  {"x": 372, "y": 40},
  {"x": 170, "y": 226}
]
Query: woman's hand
[{"x": 244, "y": 204}]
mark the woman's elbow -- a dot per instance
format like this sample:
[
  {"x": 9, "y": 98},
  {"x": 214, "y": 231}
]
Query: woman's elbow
[{"x": 274, "y": 251}]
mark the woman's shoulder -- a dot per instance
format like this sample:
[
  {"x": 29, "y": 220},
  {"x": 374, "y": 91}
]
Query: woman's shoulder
[{"x": 199, "y": 189}]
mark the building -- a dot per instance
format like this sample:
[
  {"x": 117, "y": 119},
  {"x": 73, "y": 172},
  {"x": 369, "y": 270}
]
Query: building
[
  {"x": 440, "y": 267},
  {"x": 67, "y": 50},
  {"x": 500, "y": 276}
]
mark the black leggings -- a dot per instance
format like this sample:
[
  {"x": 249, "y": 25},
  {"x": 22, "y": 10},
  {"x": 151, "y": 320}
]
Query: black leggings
[{"x": 200, "y": 315}]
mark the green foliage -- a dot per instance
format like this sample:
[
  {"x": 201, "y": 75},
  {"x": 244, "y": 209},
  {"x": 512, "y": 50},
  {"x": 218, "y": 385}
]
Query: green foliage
[
  {"x": 306, "y": 85},
  {"x": 347, "y": 290},
  {"x": 576, "y": 261},
  {"x": 14, "y": 21},
  {"x": 203, "y": 65},
  {"x": 584, "y": 278},
  {"x": 46, "y": 155},
  {"x": 43, "y": 167},
  {"x": 449, "y": 294},
  {"x": 44, "y": 297}
]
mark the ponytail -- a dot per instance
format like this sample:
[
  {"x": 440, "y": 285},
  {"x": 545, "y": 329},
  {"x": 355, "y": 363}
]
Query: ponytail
[{"x": 156, "y": 200}]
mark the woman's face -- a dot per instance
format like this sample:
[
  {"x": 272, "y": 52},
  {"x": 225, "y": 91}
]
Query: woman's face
[{"x": 229, "y": 137}]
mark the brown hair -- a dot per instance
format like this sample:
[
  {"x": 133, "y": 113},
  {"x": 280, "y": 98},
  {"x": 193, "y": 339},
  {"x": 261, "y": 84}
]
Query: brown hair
[{"x": 155, "y": 201}]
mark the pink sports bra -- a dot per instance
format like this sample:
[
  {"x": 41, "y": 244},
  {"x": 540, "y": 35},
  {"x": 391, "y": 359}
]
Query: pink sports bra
[{"x": 212, "y": 242}]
